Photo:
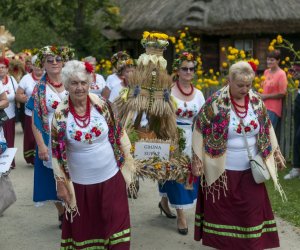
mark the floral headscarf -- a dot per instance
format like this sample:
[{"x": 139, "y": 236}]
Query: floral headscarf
[{"x": 66, "y": 53}]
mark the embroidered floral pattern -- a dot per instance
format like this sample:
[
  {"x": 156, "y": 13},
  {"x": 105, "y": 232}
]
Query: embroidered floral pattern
[
  {"x": 39, "y": 99},
  {"x": 54, "y": 104},
  {"x": 214, "y": 126},
  {"x": 86, "y": 135},
  {"x": 249, "y": 125},
  {"x": 52, "y": 101},
  {"x": 186, "y": 110},
  {"x": 186, "y": 113},
  {"x": 248, "y": 128},
  {"x": 59, "y": 139}
]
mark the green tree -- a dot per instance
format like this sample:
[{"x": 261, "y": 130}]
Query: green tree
[{"x": 77, "y": 23}]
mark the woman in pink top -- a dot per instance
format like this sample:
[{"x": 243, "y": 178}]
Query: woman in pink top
[{"x": 274, "y": 87}]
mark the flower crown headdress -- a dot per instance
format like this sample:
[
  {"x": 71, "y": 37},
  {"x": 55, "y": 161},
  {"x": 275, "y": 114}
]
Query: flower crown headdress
[
  {"x": 120, "y": 60},
  {"x": 66, "y": 53},
  {"x": 184, "y": 56},
  {"x": 4, "y": 61},
  {"x": 155, "y": 40}
]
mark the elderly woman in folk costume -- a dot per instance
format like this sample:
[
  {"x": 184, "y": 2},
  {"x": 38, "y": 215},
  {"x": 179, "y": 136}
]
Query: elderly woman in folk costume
[
  {"x": 189, "y": 102},
  {"x": 123, "y": 66},
  {"x": 89, "y": 149},
  {"x": 46, "y": 96},
  {"x": 10, "y": 86},
  {"x": 24, "y": 92},
  {"x": 233, "y": 211},
  {"x": 98, "y": 84}
]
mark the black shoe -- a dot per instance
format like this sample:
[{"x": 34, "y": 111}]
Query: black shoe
[
  {"x": 183, "y": 231},
  {"x": 60, "y": 219},
  {"x": 169, "y": 215}
]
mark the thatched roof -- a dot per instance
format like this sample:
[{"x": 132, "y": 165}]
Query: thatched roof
[
  {"x": 159, "y": 15},
  {"x": 210, "y": 16},
  {"x": 254, "y": 16}
]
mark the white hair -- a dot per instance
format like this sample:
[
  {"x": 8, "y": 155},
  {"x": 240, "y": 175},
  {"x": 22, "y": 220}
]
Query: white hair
[
  {"x": 75, "y": 69},
  {"x": 241, "y": 71},
  {"x": 33, "y": 59},
  {"x": 90, "y": 59}
]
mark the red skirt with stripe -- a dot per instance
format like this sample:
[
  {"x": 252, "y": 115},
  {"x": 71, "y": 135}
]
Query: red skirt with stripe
[
  {"x": 29, "y": 141},
  {"x": 241, "y": 220},
  {"x": 104, "y": 221}
]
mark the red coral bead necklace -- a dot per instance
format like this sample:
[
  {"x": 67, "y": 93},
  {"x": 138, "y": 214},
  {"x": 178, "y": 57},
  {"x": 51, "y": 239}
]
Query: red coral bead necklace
[
  {"x": 237, "y": 108},
  {"x": 5, "y": 80},
  {"x": 54, "y": 84},
  {"x": 81, "y": 120},
  {"x": 182, "y": 92},
  {"x": 34, "y": 77}
]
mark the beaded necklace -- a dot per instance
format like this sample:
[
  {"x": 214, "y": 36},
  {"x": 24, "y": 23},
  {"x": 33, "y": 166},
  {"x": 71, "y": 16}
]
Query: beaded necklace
[
  {"x": 34, "y": 77},
  {"x": 83, "y": 119},
  {"x": 182, "y": 92},
  {"x": 54, "y": 84},
  {"x": 237, "y": 107}
]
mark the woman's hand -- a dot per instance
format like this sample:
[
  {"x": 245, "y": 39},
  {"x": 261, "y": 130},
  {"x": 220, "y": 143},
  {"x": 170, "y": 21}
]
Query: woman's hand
[
  {"x": 43, "y": 152},
  {"x": 263, "y": 96},
  {"x": 63, "y": 193},
  {"x": 197, "y": 166},
  {"x": 280, "y": 161}
]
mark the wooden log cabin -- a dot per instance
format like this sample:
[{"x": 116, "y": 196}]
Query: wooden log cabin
[{"x": 244, "y": 24}]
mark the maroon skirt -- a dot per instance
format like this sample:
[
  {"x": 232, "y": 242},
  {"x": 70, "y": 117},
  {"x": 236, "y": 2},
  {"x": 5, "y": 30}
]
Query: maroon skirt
[
  {"x": 104, "y": 221},
  {"x": 241, "y": 220},
  {"x": 9, "y": 134},
  {"x": 29, "y": 141}
]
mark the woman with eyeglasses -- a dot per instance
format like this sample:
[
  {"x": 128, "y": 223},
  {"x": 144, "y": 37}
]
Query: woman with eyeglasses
[
  {"x": 23, "y": 94},
  {"x": 189, "y": 102},
  {"x": 10, "y": 86},
  {"x": 46, "y": 96}
]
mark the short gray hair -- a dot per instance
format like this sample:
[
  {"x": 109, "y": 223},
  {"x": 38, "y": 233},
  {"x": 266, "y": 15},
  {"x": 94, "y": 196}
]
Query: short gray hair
[
  {"x": 241, "y": 71},
  {"x": 90, "y": 59},
  {"x": 75, "y": 69}
]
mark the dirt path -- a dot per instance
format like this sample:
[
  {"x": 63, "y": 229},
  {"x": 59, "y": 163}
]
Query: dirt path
[{"x": 25, "y": 227}]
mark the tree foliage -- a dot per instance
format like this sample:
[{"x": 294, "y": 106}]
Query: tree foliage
[{"x": 36, "y": 23}]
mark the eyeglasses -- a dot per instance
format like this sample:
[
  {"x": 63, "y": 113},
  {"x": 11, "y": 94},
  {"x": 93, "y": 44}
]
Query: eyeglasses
[
  {"x": 186, "y": 69},
  {"x": 51, "y": 60}
]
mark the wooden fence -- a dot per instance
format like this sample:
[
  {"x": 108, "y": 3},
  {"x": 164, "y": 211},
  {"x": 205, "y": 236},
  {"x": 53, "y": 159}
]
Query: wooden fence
[{"x": 285, "y": 128}]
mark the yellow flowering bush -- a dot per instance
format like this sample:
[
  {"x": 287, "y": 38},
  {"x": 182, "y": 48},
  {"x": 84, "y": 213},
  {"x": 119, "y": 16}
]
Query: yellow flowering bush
[
  {"x": 30, "y": 52},
  {"x": 104, "y": 67},
  {"x": 288, "y": 62},
  {"x": 234, "y": 55}
]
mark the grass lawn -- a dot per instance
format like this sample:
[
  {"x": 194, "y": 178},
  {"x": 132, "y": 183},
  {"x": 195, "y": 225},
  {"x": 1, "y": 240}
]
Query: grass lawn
[{"x": 290, "y": 210}]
